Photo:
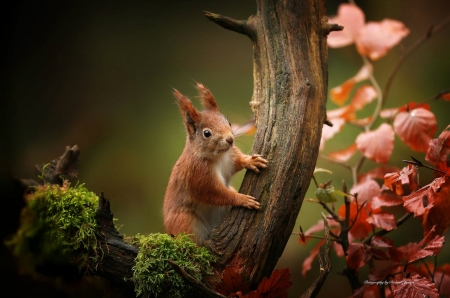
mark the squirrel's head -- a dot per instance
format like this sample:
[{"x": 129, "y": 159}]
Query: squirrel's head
[{"x": 209, "y": 132}]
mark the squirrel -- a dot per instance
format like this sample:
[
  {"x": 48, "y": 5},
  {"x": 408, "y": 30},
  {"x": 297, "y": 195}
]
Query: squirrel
[{"x": 198, "y": 195}]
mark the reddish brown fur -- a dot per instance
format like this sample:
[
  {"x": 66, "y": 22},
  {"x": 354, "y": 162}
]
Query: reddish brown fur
[{"x": 198, "y": 190}]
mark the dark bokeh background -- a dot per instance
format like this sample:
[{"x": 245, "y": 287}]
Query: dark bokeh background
[{"x": 99, "y": 74}]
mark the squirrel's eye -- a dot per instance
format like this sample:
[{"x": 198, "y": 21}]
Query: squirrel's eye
[{"x": 207, "y": 133}]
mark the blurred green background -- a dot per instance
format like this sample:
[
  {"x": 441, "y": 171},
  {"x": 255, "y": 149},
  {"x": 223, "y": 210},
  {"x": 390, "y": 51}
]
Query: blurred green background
[{"x": 100, "y": 74}]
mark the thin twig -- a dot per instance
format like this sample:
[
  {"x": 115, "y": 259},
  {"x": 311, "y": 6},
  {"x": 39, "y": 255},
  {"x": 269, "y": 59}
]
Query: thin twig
[
  {"x": 432, "y": 31},
  {"x": 334, "y": 215}
]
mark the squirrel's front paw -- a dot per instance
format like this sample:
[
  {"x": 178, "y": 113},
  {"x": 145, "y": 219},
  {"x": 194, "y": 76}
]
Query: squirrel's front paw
[
  {"x": 248, "y": 201},
  {"x": 256, "y": 161}
]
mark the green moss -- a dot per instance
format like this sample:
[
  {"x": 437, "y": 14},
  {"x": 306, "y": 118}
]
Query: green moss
[
  {"x": 57, "y": 225},
  {"x": 154, "y": 276}
]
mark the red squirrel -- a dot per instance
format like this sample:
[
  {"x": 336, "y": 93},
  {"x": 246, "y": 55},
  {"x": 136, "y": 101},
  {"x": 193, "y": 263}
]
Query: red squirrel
[{"x": 198, "y": 195}]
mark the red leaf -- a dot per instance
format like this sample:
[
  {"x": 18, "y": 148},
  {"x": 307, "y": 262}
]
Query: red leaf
[
  {"x": 416, "y": 128},
  {"x": 364, "y": 95},
  {"x": 395, "y": 180},
  {"x": 383, "y": 220},
  {"x": 358, "y": 254},
  {"x": 276, "y": 286},
  {"x": 377, "y": 145},
  {"x": 412, "y": 105},
  {"x": 352, "y": 18},
  {"x": 343, "y": 155},
  {"x": 381, "y": 273},
  {"x": 232, "y": 282},
  {"x": 439, "y": 148},
  {"x": 386, "y": 198},
  {"x": 439, "y": 215},
  {"x": 424, "y": 198},
  {"x": 380, "y": 241},
  {"x": 366, "y": 190},
  {"x": 375, "y": 39},
  {"x": 367, "y": 291},
  {"x": 415, "y": 286},
  {"x": 429, "y": 246}
]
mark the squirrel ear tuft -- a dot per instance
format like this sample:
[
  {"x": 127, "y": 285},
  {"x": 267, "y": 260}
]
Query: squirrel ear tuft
[
  {"x": 190, "y": 115},
  {"x": 207, "y": 98}
]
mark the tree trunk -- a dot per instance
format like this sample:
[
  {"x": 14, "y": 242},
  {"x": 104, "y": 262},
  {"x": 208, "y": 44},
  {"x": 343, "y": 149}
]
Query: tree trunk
[{"x": 289, "y": 97}]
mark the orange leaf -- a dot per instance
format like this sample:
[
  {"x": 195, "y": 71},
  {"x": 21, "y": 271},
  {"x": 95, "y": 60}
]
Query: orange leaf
[
  {"x": 364, "y": 95},
  {"x": 415, "y": 286},
  {"x": 340, "y": 93},
  {"x": 439, "y": 148},
  {"x": 383, "y": 220},
  {"x": 352, "y": 18},
  {"x": 232, "y": 282},
  {"x": 416, "y": 128},
  {"x": 439, "y": 215},
  {"x": 375, "y": 39},
  {"x": 445, "y": 96},
  {"x": 343, "y": 155},
  {"x": 361, "y": 228},
  {"x": 358, "y": 254},
  {"x": 377, "y": 145},
  {"x": 276, "y": 285}
]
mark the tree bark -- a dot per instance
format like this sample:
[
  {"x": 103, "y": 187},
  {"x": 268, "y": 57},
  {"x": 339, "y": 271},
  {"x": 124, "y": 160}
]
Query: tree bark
[{"x": 289, "y": 97}]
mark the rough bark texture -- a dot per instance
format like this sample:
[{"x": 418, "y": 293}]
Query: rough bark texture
[
  {"x": 118, "y": 258},
  {"x": 290, "y": 87}
]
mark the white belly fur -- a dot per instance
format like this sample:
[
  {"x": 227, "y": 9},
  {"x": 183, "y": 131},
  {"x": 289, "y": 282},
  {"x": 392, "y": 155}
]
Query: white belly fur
[{"x": 210, "y": 216}]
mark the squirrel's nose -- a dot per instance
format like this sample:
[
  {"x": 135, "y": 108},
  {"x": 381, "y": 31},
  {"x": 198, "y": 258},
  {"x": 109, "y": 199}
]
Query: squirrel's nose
[{"x": 230, "y": 140}]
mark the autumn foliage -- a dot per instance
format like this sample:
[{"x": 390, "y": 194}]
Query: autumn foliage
[
  {"x": 359, "y": 226},
  {"x": 275, "y": 286}
]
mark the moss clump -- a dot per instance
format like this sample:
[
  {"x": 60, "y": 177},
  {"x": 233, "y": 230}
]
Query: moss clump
[
  {"x": 57, "y": 225},
  {"x": 153, "y": 275}
]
